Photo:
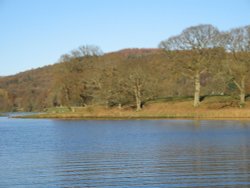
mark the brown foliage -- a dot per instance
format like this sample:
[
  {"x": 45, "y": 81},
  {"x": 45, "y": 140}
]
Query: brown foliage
[{"x": 132, "y": 77}]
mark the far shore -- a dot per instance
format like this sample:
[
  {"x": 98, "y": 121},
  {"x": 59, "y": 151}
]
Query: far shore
[
  {"x": 164, "y": 110},
  {"x": 82, "y": 117}
]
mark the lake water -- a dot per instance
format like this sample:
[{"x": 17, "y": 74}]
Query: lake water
[{"x": 147, "y": 153}]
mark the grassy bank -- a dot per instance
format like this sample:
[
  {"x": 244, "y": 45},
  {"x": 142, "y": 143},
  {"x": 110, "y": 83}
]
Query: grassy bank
[{"x": 211, "y": 108}]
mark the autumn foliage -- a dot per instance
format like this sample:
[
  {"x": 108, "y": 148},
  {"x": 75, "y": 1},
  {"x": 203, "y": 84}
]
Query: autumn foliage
[{"x": 132, "y": 78}]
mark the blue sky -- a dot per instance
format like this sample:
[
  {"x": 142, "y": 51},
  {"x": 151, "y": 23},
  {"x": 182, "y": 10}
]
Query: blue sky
[{"x": 34, "y": 33}]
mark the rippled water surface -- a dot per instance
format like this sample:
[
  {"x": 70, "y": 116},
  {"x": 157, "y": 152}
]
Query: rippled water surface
[{"x": 148, "y": 153}]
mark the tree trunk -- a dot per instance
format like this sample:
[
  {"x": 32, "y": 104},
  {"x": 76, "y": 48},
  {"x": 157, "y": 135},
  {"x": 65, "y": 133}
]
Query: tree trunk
[
  {"x": 197, "y": 86},
  {"x": 241, "y": 87},
  {"x": 137, "y": 91},
  {"x": 242, "y": 98},
  {"x": 120, "y": 106},
  {"x": 138, "y": 104},
  {"x": 242, "y": 92}
]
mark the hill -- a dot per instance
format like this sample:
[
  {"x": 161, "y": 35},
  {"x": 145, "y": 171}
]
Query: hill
[
  {"x": 35, "y": 89},
  {"x": 123, "y": 78}
]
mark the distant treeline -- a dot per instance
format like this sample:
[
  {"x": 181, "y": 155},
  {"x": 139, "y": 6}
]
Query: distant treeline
[{"x": 198, "y": 62}]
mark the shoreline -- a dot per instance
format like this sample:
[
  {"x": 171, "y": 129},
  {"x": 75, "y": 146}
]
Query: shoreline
[
  {"x": 169, "y": 110},
  {"x": 151, "y": 117}
]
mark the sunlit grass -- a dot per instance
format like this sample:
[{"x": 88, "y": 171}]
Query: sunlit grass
[{"x": 210, "y": 108}]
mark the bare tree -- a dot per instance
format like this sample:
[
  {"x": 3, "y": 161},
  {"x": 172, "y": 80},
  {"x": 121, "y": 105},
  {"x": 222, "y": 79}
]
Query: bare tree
[
  {"x": 115, "y": 91},
  {"x": 82, "y": 51},
  {"x": 237, "y": 44},
  {"x": 64, "y": 58},
  {"x": 90, "y": 50},
  {"x": 76, "y": 53},
  {"x": 138, "y": 79},
  {"x": 196, "y": 42}
]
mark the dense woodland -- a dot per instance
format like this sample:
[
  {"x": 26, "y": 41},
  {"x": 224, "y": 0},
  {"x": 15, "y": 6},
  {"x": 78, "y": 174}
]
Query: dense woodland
[{"x": 201, "y": 61}]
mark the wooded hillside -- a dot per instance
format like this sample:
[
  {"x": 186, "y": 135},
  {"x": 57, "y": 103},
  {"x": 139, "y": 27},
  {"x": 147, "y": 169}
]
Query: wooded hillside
[{"x": 133, "y": 77}]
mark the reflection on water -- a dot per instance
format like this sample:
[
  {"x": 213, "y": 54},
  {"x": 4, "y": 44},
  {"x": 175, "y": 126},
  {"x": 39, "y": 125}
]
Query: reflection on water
[{"x": 165, "y": 153}]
